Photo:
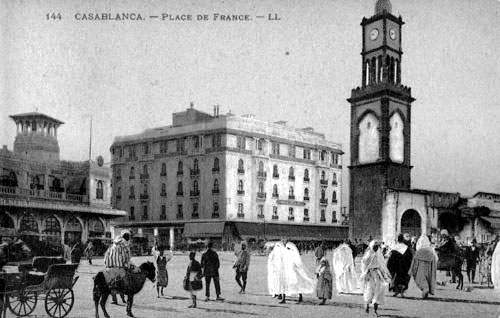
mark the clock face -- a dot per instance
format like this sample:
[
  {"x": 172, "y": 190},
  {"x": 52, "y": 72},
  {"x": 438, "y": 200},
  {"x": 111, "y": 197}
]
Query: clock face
[
  {"x": 374, "y": 34},
  {"x": 392, "y": 34}
]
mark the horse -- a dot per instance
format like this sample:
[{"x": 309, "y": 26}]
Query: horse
[
  {"x": 14, "y": 251},
  {"x": 131, "y": 284},
  {"x": 452, "y": 262}
]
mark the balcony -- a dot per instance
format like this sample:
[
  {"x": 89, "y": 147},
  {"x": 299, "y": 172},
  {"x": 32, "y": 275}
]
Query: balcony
[
  {"x": 261, "y": 195},
  {"x": 194, "y": 172},
  {"x": 195, "y": 216},
  {"x": 131, "y": 196},
  {"x": 334, "y": 201},
  {"x": 306, "y": 179},
  {"x": 276, "y": 175},
  {"x": 334, "y": 220},
  {"x": 261, "y": 174},
  {"x": 322, "y": 220},
  {"x": 334, "y": 183},
  {"x": 215, "y": 215},
  {"x": 42, "y": 194},
  {"x": 180, "y": 173},
  {"x": 323, "y": 182},
  {"x": 306, "y": 219},
  {"x": 179, "y": 194},
  {"x": 163, "y": 174},
  {"x": 131, "y": 177},
  {"x": 291, "y": 197},
  {"x": 163, "y": 217},
  {"x": 179, "y": 216},
  {"x": 144, "y": 196},
  {"x": 291, "y": 218},
  {"x": 306, "y": 198},
  {"x": 144, "y": 217},
  {"x": 275, "y": 195},
  {"x": 118, "y": 178},
  {"x": 240, "y": 215},
  {"x": 240, "y": 192},
  {"x": 163, "y": 194},
  {"x": 118, "y": 197},
  {"x": 260, "y": 216},
  {"x": 291, "y": 178},
  {"x": 215, "y": 191},
  {"x": 144, "y": 176},
  {"x": 195, "y": 193},
  {"x": 323, "y": 201},
  {"x": 274, "y": 217},
  {"x": 131, "y": 218},
  {"x": 241, "y": 171},
  {"x": 216, "y": 170}
]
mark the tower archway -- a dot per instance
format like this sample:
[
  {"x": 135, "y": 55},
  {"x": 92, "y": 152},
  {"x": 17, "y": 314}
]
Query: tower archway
[{"x": 411, "y": 223}]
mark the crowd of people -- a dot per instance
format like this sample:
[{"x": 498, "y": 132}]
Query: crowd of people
[{"x": 384, "y": 268}]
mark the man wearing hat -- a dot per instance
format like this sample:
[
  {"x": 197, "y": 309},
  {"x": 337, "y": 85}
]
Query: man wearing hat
[
  {"x": 117, "y": 259},
  {"x": 471, "y": 258}
]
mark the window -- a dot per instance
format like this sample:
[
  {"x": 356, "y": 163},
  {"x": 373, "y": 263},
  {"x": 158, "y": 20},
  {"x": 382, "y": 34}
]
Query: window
[
  {"x": 118, "y": 173},
  {"x": 291, "y": 151},
  {"x": 334, "y": 216},
  {"x": 334, "y": 196},
  {"x": 322, "y": 155},
  {"x": 275, "y": 171},
  {"x": 306, "y": 194},
  {"x": 322, "y": 216},
  {"x": 145, "y": 169},
  {"x": 145, "y": 148},
  {"x": 240, "y": 210},
  {"x": 196, "y": 142},
  {"x": 163, "y": 147},
  {"x": 275, "y": 191},
  {"x": 119, "y": 193},
  {"x": 145, "y": 212},
  {"x": 240, "y": 187},
  {"x": 131, "y": 152},
  {"x": 216, "y": 165},
  {"x": 261, "y": 166},
  {"x": 145, "y": 189},
  {"x": 241, "y": 168},
  {"x": 163, "y": 169},
  {"x": 163, "y": 215},
  {"x": 290, "y": 193},
  {"x": 275, "y": 148},
  {"x": 216, "y": 209},
  {"x": 163, "y": 190},
  {"x": 275, "y": 213},
  {"x": 241, "y": 142},
  {"x": 306, "y": 175},
  {"x": 120, "y": 152},
  {"x": 195, "y": 211},
  {"x": 195, "y": 164},
  {"x": 261, "y": 187},
  {"x": 99, "y": 192},
  {"x": 216, "y": 140},
  {"x": 261, "y": 211},
  {"x": 180, "y": 168},
  {"x": 179, "y": 188},
  {"x": 307, "y": 153},
  {"x": 291, "y": 173},
  {"x": 334, "y": 179},
  {"x": 195, "y": 186},
  {"x": 290, "y": 214},
  {"x": 132, "y": 192},
  {"x": 216, "y": 186},
  {"x": 180, "y": 144},
  {"x": 131, "y": 215},
  {"x": 259, "y": 144},
  {"x": 132, "y": 173},
  {"x": 306, "y": 215},
  {"x": 323, "y": 176},
  {"x": 335, "y": 158},
  {"x": 322, "y": 194},
  {"x": 179, "y": 211}
]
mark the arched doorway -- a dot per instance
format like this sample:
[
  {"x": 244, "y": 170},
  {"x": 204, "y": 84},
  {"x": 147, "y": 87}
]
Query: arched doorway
[
  {"x": 28, "y": 226},
  {"x": 411, "y": 223},
  {"x": 96, "y": 229},
  {"x": 73, "y": 232}
]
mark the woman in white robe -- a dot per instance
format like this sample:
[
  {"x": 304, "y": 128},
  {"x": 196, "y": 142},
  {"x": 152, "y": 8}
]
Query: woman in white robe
[
  {"x": 495, "y": 267},
  {"x": 343, "y": 266},
  {"x": 375, "y": 277},
  {"x": 276, "y": 270},
  {"x": 298, "y": 280}
]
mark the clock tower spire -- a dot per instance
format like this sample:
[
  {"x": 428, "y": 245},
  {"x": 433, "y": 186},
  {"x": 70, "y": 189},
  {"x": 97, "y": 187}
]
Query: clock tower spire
[{"x": 380, "y": 123}]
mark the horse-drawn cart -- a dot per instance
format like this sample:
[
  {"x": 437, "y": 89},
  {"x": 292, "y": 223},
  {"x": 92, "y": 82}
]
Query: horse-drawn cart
[{"x": 22, "y": 290}]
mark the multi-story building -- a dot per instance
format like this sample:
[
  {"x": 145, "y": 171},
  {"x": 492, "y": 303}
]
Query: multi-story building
[
  {"x": 43, "y": 197},
  {"x": 227, "y": 177}
]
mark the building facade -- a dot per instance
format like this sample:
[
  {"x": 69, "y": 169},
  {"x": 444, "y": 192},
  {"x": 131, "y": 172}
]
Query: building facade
[
  {"x": 46, "y": 198},
  {"x": 233, "y": 174}
]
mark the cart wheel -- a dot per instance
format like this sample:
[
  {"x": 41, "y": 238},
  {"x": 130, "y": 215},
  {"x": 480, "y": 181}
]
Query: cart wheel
[
  {"x": 22, "y": 303},
  {"x": 59, "y": 301}
]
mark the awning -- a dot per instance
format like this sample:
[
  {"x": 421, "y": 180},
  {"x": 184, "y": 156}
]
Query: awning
[
  {"x": 494, "y": 222},
  {"x": 207, "y": 229},
  {"x": 273, "y": 231}
]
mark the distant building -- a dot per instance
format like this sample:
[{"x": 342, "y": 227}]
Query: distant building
[
  {"x": 47, "y": 198},
  {"x": 226, "y": 178},
  {"x": 481, "y": 217}
]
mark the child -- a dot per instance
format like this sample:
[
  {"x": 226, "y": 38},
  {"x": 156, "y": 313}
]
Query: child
[
  {"x": 162, "y": 273},
  {"x": 324, "y": 275}
]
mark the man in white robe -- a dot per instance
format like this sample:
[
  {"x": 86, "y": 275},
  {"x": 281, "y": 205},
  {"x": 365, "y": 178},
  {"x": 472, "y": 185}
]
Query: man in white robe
[
  {"x": 298, "y": 280},
  {"x": 276, "y": 270},
  {"x": 343, "y": 266}
]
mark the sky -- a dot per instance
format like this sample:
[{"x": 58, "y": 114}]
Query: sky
[{"x": 131, "y": 75}]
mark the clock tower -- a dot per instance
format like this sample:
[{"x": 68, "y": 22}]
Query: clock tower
[{"x": 380, "y": 123}]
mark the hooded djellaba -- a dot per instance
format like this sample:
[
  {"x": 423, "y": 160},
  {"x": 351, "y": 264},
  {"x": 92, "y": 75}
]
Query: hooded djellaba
[
  {"x": 297, "y": 279},
  {"x": 324, "y": 288},
  {"x": 276, "y": 270},
  {"x": 375, "y": 276},
  {"x": 343, "y": 266},
  {"x": 424, "y": 266},
  {"x": 399, "y": 263}
]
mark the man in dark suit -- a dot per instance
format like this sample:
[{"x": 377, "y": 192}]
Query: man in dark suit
[
  {"x": 472, "y": 258},
  {"x": 210, "y": 264}
]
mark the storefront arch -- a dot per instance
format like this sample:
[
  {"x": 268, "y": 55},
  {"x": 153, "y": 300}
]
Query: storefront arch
[
  {"x": 411, "y": 223},
  {"x": 73, "y": 231}
]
